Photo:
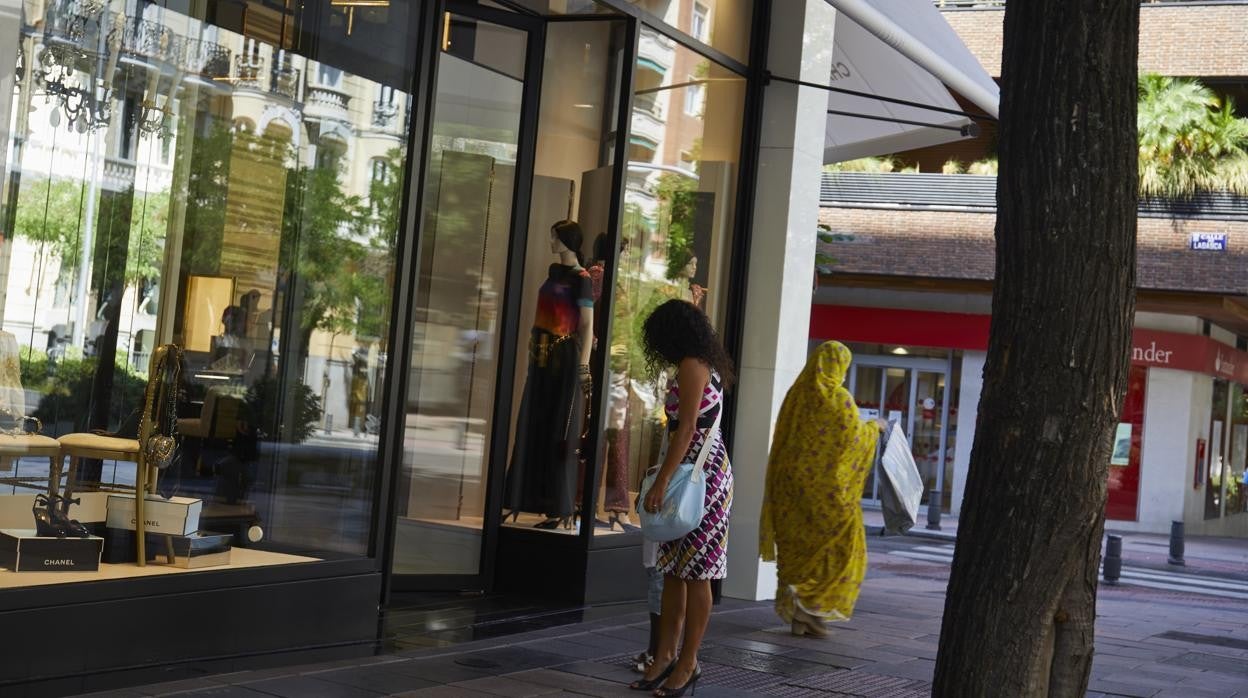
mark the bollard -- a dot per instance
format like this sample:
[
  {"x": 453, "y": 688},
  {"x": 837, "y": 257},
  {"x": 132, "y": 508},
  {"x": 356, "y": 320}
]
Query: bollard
[
  {"x": 1113, "y": 558},
  {"x": 933, "y": 510},
  {"x": 1176, "y": 543}
]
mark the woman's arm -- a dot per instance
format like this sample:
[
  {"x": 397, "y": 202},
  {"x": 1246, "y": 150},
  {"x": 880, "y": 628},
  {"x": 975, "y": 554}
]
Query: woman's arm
[{"x": 692, "y": 381}]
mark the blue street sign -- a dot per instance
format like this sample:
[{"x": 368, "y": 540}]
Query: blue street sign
[{"x": 1209, "y": 242}]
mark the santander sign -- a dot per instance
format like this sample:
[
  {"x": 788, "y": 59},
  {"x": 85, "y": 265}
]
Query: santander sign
[{"x": 1188, "y": 352}]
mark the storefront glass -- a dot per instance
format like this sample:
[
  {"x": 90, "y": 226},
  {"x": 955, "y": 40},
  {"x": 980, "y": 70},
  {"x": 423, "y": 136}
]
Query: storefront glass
[
  {"x": 1124, "y": 462},
  {"x": 561, "y": 305},
  {"x": 464, "y": 246},
  {"x": 1224, "y": 488},
  {"x": 722, "y": 24},
  {"x": 227, "y": 182},
  {"x": 676, "y": 235}
]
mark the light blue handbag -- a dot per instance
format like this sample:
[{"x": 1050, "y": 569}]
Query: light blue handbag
[{"x": 684, "y": 502}]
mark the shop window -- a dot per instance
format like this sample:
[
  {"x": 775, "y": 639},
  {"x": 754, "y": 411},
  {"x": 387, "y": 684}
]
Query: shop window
[
  {"x": 723, "y": 24},
  {"x": 129, "y": 232},
  {"x": 1218, "y": 466},
  {"x": 676, "y": 230},
  {"x": 1124, "y": 461},
  {"x": 700, "y": 23},
  {"x": 1227, "y": 480}
]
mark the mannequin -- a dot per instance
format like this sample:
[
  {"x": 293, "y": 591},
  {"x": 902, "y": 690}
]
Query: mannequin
[{"x": 542, "y": 475}]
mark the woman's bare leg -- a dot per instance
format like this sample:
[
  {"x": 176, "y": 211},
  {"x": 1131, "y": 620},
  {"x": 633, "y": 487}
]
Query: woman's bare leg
[
  {"x": 672, "y": 621},
  {"x": 697, "y": 616}
]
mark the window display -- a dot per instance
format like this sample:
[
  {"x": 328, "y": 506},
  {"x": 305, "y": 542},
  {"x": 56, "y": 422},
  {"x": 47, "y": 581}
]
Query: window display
[
  {"x": 199, "y": 216},
  {"x": 677, "y": 224}
]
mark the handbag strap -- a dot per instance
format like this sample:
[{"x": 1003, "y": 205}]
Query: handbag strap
[{"x": 705, "y": 451}]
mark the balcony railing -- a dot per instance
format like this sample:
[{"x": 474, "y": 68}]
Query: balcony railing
[
  {"x": 1000, "y": 4},
  {"x": 978, "y": 194}
]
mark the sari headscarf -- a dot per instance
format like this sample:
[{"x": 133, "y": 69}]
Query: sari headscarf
[{"x": 811, "y": 522}]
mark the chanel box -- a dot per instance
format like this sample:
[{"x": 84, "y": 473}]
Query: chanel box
[
  {"x": 197, "y": 550},
  {"x": 21, "y": 550},
  {"x": 176, "y": 515}
]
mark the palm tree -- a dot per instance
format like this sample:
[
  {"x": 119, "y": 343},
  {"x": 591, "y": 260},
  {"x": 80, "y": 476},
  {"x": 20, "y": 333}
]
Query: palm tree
[{"x": 1190, "y": 139}]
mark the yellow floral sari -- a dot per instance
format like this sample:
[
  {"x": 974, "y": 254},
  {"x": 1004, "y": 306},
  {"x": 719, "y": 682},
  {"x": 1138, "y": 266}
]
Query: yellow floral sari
[{"x": 812, "y": 518}]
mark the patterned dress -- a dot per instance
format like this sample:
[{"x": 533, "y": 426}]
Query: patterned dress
[{"x": 703, "y": 552}]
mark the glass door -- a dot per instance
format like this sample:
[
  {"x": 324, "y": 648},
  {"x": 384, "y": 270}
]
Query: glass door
[
  {"x": 913, "y": 393},
  {"x": 465, "y": 243}
]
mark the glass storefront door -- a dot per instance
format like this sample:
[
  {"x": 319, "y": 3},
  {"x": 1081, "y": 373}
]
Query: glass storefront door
[
  {"x": 913, "y": 392},
  {"x": 465, "y": 243}
]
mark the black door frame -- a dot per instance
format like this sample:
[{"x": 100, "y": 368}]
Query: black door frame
[{"x": 534, "y": 27}]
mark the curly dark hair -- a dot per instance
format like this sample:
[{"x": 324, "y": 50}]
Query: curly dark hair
[{"x": 678, "y": 330}]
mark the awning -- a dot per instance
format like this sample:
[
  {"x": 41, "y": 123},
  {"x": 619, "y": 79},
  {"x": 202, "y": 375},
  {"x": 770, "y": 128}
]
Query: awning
[{"x": 903, "y": 50}]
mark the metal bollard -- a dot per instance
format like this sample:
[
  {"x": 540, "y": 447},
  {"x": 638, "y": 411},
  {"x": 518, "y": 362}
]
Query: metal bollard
[
  {"x": 1176, "y": 543},
  {"x": 933, "y": 510},
  {"x": 1113, "y": 559}
]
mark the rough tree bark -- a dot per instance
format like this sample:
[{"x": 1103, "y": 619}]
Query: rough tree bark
[{"x": 1021, "y": 601}]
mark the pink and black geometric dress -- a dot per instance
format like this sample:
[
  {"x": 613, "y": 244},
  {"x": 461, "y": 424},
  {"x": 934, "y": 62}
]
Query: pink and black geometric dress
[{"x": 703, "y": 552}]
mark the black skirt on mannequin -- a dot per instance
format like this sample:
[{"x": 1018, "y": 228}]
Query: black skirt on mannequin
[{"x": 541, "y": 478}]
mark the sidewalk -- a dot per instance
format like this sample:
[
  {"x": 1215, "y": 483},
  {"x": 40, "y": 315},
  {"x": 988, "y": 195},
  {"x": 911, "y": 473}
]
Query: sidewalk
[
  {"x": 1204, "y": 555},
  {"x": 1149, "y": 643}
]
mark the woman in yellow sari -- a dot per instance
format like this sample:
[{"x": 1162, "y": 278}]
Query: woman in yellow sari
[{"x": 812, "y": 519}]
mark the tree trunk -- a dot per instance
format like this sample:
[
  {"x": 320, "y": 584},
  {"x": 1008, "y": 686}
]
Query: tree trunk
[{"x": 1021, "y": 601}]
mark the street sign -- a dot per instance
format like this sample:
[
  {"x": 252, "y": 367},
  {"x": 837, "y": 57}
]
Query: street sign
[{"x": 1209, "y": 242}]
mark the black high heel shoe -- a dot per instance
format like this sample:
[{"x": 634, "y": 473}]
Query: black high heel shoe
[
  {"x": 44, "y": 526},
  {"x": 652, "y": 684},
  {"x": 691, "y": 686},
  {"x": 54, "y": 521}
]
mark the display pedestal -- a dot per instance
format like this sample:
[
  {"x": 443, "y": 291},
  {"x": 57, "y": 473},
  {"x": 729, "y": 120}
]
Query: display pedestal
[
  {"x": 21, "y": 550},
  {"x": 188, "y": 552}
]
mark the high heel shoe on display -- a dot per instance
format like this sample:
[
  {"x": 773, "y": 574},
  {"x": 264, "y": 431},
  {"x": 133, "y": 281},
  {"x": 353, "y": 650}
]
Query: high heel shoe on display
[
  {"x": 54, "y": 521},
  {"x": 690, "y": 687},
  {"x": 652, "y": 684}
]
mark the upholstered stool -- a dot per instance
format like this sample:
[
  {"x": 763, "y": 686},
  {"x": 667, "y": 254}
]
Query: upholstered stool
[{"x": 88, "y": 445}]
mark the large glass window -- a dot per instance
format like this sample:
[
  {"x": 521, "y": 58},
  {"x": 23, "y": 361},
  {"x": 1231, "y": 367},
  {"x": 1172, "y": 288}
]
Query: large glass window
[
  {"x": 722, "y": 24},
  {"x": 464, "y": 246},
  {"x": 677, "y": 223},
  {"x": 1228, "y": 452},
  {"x": 1124, "y": 463},
  {"x": 1218, "y": 466},
  {"x": 194, "y": 180}
]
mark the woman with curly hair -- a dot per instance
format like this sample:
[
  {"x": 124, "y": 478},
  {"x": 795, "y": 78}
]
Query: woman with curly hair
[{"x": 679, "y": 334}]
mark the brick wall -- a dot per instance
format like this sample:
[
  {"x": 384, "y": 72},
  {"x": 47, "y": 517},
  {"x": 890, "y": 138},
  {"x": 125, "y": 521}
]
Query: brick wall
[
  {"x": 1174, "y": 39},
  {"x": 947, "y": 245}
]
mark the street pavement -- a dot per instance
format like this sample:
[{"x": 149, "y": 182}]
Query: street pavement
[{"x": 1159, "y": 633}]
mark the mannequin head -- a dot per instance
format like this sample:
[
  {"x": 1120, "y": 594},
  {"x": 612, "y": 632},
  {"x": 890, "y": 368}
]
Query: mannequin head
[
  {"x": 690, "y": 269},
  {"x": 566, "y": 236},
  {"x": 602, "y": 248}
]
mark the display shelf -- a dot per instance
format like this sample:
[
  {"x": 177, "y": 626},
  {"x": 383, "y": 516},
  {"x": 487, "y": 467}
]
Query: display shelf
[{"x": 239, "y": 558}]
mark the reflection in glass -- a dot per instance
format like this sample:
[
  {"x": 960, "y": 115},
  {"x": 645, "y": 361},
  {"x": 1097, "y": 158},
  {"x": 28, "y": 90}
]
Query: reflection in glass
[
  {"x": 174, "y": 179},
  {"x": 464, "y": 245},
  {"x": 676, "y": 225},
  {"x": 1237, "y": 473},
  {"x": 722, "y": 24}
]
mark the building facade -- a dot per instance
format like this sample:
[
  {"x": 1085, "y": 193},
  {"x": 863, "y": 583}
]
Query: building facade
[{"x": 910, "y": 286}]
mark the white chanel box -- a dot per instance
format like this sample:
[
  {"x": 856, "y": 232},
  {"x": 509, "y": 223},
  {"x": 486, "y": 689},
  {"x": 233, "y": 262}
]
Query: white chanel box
[{"x": 177, "y": 515}]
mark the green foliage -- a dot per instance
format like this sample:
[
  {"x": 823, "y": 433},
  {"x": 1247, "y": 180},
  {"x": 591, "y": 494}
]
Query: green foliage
[
  {"x": 67, "y": 391},
  {"x": 876, "y": 165},
  {"x": 954, "y": 166},
  {"x": 271, "y": 409},
  {"x": 677, "y": 210},
  {"x": 1190, "y": 139}
]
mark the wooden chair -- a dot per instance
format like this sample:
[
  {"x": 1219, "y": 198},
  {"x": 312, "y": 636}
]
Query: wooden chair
[
  {"x": 17, "y": 443},
  {"x": 104, "y": 447}
]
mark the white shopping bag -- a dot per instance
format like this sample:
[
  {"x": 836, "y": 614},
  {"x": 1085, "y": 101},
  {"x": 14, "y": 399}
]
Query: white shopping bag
[{"x": 902, "y": 486}]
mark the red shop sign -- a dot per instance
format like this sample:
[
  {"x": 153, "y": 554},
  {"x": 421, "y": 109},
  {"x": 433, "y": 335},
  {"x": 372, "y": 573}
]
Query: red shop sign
[{"x": 1188, "y": 352}]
